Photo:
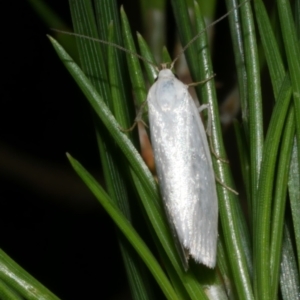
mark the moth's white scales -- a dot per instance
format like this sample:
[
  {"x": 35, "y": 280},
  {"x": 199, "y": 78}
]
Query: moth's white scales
[{"x": 184, "y": 167}]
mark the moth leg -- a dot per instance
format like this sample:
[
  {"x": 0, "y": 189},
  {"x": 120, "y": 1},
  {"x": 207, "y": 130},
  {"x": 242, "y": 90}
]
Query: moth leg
[
  {"x": 137, "y": 119},
  {"x": 226, "y": 186},
  {"x": 208, "y": 131}
]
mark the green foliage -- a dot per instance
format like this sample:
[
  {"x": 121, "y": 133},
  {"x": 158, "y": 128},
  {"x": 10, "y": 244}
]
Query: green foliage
[{"x": 258, "y": 256}]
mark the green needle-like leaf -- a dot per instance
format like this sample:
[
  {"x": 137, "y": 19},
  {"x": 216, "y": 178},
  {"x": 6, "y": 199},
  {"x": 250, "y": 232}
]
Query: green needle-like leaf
[
  {"x": 262, "y": 237},
  {"x": 289, "y": 277},
  {"x": 22, "y": 282},
  {"x": 294, "y": 193},
  {"x": 239, "y": 56},
  {"x": 291, "y": 46},
  {"x": 8, "y": 293},
  {"x": 126, "y": 228},
  {"x": 280, "y": 200},
  {"x": 233, "y": 224},
  {"x": 254, "y": 101},
  {"x": 292, "y": 54}
]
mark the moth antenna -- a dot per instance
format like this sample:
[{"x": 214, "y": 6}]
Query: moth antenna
[
  {"x": 207, "y": 27},
  {"x": 106, "y": 43}
]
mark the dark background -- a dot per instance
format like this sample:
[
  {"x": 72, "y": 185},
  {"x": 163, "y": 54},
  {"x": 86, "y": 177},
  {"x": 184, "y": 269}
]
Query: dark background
[{"x": 50, "y": 223}]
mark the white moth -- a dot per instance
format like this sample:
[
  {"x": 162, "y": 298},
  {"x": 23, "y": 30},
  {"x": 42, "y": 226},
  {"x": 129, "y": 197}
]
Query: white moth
[
  {"x": 184, "y": 168},
  {"x": 183, "y": 164}
]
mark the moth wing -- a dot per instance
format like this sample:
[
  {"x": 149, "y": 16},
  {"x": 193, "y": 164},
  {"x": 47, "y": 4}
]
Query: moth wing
[
  {"x": 184, "y": 168},
  {"x": 203, "y": 246},
  {"x": 155, "y": 131}
]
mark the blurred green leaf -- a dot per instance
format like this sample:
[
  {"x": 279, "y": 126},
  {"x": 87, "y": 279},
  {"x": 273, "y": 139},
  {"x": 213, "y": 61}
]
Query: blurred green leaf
[{"x": 17, "y": 281}]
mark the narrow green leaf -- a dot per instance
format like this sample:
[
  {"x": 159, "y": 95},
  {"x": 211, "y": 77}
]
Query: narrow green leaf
[
  {"x": 294, "y": 193},
  {"x": 270, "y": 46},
  {"x": 254, "y": 101},
  {"x": 151, "y": 70},
  {"x": 91, "y": 56},
  {"x": 244, "y": 157},
  {"x": 107, "y": 118},
  {"x": 106, "y": 11},
  {"x": 114, "y": 166},
  {"x": 120, "y": 101},
  {"x": 291, "y": 46},
  {"x": 7, "y": 293},
  {"x": 294, "y": 178},
  {"x": 22, "y": 282},
  {"x": 262, "y": 234},
  {"x": 239, "y": 56},
  {"x": 93, "y": 64},
  {"x": 232, "y": 221},
  {"x": 289, "y": 277},
  {"x": 280, "y": 200},
  {"x": 126, "y": 228},
  {"x": 186, "y": 33},
  {"x": 225, "y": 270},
  {"x": 208, "y": 8},
  {"x": 277, "y": 74},
  {"x": 154, "y": 18},
  {"x": 166, "y": 56},
  {"x": 136, "y": 273},
  {"x": 134, "y": 67}
]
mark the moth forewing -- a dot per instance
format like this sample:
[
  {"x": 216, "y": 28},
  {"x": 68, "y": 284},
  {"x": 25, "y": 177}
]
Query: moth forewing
[{"x": 184, "y": 167}]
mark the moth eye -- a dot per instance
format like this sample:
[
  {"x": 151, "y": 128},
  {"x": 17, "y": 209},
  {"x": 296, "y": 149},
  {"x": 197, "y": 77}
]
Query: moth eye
[
  {"x": 176, "y": 76},
  {"x": 156, "y": 79}
]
